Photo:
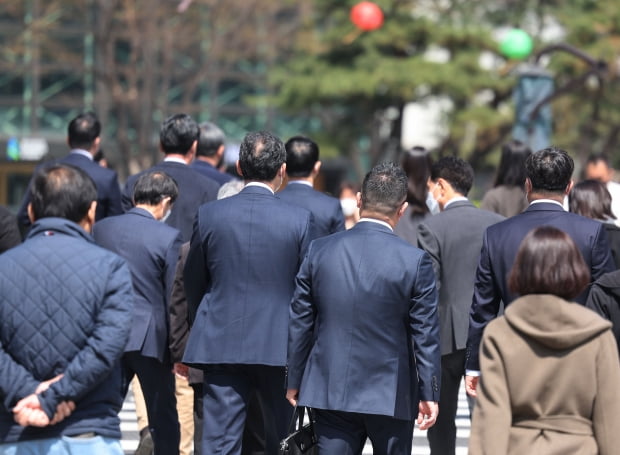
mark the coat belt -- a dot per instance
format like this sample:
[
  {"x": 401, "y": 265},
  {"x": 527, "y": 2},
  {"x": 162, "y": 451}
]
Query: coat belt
[{"x": 562, "y": 423}]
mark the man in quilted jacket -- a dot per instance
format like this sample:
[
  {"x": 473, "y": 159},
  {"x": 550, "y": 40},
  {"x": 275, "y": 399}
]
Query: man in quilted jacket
[{"x": 65, "y": 312}]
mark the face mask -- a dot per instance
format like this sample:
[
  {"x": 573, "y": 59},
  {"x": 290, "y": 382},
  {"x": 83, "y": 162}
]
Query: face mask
[
  {"x": 432, "y": 203},
  {"x": 349, "y": 205},
  {"x": 166, "y": 215}
]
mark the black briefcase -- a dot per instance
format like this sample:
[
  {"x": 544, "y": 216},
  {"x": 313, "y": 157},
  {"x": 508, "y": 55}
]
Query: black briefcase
[{"x": 301, "y": 439}]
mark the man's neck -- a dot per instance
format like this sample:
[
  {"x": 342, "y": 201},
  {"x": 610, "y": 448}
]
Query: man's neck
[
  {"x": 379, "y": 217},
  {"x": 559, "y": 198},
  {"x": 308, "y": 179},
  {"x": 176, "y": 157},
  {"x": 213, "y": 161}
]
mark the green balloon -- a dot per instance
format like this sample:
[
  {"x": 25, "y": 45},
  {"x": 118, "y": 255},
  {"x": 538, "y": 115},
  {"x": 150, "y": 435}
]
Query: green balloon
[{"x": 516, "y": 44}]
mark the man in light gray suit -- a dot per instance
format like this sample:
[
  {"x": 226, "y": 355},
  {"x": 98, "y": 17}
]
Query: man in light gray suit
[{"x": 453, "y": 239}]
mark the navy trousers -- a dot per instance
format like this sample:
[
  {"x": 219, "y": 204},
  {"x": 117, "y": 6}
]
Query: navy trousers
[
  {"x": 227, "y": 392},
  {"x": 345, "y": 433}
]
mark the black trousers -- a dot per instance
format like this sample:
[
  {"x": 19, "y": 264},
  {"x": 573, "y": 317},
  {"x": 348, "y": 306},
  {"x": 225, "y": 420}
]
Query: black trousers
[
  {"x": 158, "y": 385},
  {"x": 442, "y": 435}
]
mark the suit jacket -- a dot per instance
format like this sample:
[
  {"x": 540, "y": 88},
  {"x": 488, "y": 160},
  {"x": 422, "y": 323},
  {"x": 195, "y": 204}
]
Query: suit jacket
[
  {"x": 240, "y": 277},
  {"x": 209, "y": 171},
  {"x": 499, "y": 250},
  {"x": 453, "y": 239},
  {"x": 364, "y": 333},
  {"x": 326, "y": 210},
  {"x": 151, "y": 249},
  {"x": 106, "y": 181},
  {"x": 194, "y": 189}
]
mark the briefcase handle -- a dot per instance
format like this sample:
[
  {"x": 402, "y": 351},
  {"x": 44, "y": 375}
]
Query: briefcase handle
[{"x": 298, "y": 416}]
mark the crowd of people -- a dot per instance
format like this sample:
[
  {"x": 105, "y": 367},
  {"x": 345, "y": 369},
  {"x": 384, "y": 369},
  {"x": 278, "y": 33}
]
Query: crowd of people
[{"x": 229, "y": 301}]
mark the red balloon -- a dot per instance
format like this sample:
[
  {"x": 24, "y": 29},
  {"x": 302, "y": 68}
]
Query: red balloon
[{"x": 367, "y": 16}]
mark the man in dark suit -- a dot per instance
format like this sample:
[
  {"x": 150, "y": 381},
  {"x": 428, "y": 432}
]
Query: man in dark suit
[
  {"x": 548, "y": 181},
  {"x": 178, "y": 138},
  {"x": 210, "y": 152},
  {"x": 239, "y": 280},
  {"x": 151, "y": 249},
  {"x": 363, "y": 346},
  {"x": 453, "y": 239},
  {"x": 83, "y": 136},
  {"x": 302, "y": 168}
]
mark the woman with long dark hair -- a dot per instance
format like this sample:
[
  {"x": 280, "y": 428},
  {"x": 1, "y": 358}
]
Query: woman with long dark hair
[
  {"x": 417, "y": 165},
  {"x": 507, "y": 197}
]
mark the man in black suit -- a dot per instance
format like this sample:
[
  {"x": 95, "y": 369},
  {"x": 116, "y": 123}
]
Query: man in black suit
[
  {"x": 151, "y": 249},
  {"x": 239, "y": 280},
  {"x": 363, "y": 345},
  {"x": 302, "y": 168},
  {"x": 210, "y": 152},
  {"x": 83, "y": 136},
  {"x": 178, "y": 139},
  {"x": 548, "y": 181},
  {"x": 453, "y": 239}
]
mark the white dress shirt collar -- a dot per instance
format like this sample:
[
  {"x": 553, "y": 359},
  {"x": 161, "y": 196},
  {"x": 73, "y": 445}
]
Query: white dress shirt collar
[
  {"x": 84, "y": 153},
  {"x": 260, "y": 184},
  {"x": 174, "y": 159}
]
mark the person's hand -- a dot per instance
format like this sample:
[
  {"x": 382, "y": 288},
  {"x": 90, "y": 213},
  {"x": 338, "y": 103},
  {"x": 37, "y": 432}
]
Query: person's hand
[
  {"x": 28, "y": 411},
  {"x": 427, "y": 415},
  {"x": 471, "y": 383},
  {"x": 181, "y": 370},
  {"x": 292, "y": 395},
  {"x": 63, "y": 410},
  {"x": 46, "y": 384}
]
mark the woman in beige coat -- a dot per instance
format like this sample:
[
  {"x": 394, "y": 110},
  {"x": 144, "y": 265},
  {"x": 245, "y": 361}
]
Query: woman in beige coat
[{"x": 550, "y": 376}]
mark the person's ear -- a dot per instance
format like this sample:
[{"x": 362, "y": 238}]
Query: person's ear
[
  {"x": 238, "y": 167},
  {"x": 528, "y": 185},
  {"x": 569, "y": 187},
  {"x": 189, "y": 156},
  {"x": 31, "y": 213},
  {"x": 358, "y": 196},
  {"x": 316, "y": 168},
  {"x": 402, "y": 209}
]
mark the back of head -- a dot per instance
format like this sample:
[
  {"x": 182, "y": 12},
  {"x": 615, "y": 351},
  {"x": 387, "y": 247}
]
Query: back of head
[
  {"x": 416, "y": 163},
  {"x": 591, "y": 198},
  {"x": 154, "y": 186},
  {"x": 302, "y": 154},
  {"x": 210, "y": 140},
  {"x": 260, "y": 156},
  {"x": 177, "y": 134},
  {"x": 598, "y": 167},
  {"x": 546, "y": 249},
  {"x": 384, "y": 189},
  {"x": 549, "y": 170},
  {"x": 83, "y": 130},
  {"x": 457, "y": 172},
  {"x": 511, "y": 170},
  {"x": 62, "y": 191}
]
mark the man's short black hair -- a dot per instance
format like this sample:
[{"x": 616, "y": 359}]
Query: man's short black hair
[
  {"x": 302, "y": 153},
  {"x": 594, "y": 158},
  {"x": 177, "y": 134},
  {"x": 210, "y": 140},
  {"x": 260, "y": 156},
  {"x": 154, "y": 186},
  {"x": 62, "y": 191},
  {"x": 457, "y": 172},
  {"x": 384, "y": 189},
  {"x": 83, "y": 130},
  {"x": 549, "y": 170}
]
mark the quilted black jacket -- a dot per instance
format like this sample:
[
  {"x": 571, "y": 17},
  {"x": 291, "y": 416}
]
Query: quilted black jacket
[{"x": 65, "y": 307}]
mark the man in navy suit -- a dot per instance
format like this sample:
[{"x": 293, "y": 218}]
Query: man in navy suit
[
  {"x": 452, "y": 239},
  {"x": 548, "y": 181},
  {"x": 363, "y": 346},
  {"x": 239, "y": 280},
  {"x": 151, "y": 249},
  {"x": 178, "y": 138},
  {"x": 83, "y": 136},
  {"x": 210, "y": 152},
  {"x": 302, "y": 168}
]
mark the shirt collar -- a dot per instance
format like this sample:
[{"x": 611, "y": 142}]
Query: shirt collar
[
  {"x": 260, "y": 184},
  {"x": 547, "y": 201},
  {"x": 84, "y": 153},
  {"x": 373, "y": 220},
  {"x": 455, "y": 199},
  {"x": 174, "y": 159},
  {"x": 300, "y": 182}
]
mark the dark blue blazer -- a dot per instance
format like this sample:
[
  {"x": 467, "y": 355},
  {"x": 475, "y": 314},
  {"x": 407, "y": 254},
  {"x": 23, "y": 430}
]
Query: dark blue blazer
[
  {"x": 209, "y": 171},
  {"x": 194, "y": 189},
  {"x": 151, "y": 248},
  {"x": 240, "y": 276},
  {"x": 326, "y": 210},
  {"x": 364, "y": 331},
  {"x": 499, "y": 250},
  {"x": 106, "y": 181}
]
